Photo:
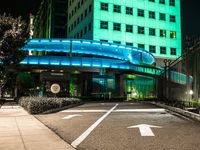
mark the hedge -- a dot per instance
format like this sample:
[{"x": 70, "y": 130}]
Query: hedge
[{"x": 35, "y": 105}]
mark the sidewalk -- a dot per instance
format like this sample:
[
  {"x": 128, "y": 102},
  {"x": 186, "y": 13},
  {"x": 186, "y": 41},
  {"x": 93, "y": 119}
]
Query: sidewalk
[{"x": 22, "y": 131}]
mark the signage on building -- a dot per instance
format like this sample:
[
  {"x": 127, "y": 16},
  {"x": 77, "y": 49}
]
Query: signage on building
[{"x": 55, "y": 88}]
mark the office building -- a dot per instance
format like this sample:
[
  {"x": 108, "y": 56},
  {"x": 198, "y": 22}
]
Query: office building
[{"x": 153, "y": 25}]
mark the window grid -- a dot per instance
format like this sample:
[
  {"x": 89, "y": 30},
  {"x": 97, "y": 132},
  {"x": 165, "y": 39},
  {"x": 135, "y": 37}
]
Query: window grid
[
  {"x": 152, "y": 49},
  {"x": 173, "y": 51},
  {"x": 152, "y": 31},
  {"x": 162, "y": 50},
  {"x": 117, "y": 8},
  {"x": 117, "y": 26},
  {"x": 129, "y": 28},
  {"x": 152, "y": 15},
  {"x": 129, "y": 11},
  {"x": 140, "y": 12},
  {"x": 104, "y": 24},
  {"x": 172, "y": 18},
  {"x": 104, "y": 6},
  {"x": 140, "y": 30},
  {"x": 172, "y": 34},
  {"x": 162, "y": 1},
  {"x": 162, "y": 16},
  {"x": 172, "y": 2},
  {"x": 162, "y": 33}
]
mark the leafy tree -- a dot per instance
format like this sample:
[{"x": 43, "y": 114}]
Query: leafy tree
[
  {"x": 25, "y": 82},
  {"x": 13, "y": 34}
]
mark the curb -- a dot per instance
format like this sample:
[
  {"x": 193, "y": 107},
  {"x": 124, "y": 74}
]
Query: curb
[
  {"x": 179, "y": 111},
  {"x": 59, "y": 109}
]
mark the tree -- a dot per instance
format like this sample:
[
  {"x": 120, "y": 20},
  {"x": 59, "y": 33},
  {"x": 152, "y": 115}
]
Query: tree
[{"x": 13, "y": 35}]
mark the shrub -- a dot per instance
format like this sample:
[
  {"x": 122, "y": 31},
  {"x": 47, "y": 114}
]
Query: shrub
[{"x": 35, "y": 105}]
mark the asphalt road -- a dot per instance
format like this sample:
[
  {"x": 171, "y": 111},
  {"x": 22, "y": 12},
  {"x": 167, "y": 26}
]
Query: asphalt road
[{"x": 109, "y": 126}]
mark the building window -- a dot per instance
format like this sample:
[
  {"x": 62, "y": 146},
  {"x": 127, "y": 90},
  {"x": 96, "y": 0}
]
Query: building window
[
  {"x": 117, "y": 26},
  {"x": 81, "y": 17},
  {"x": 140, "y": 30},
  {"x": 78, "y": 20},
  {"x": 152, "y": 49},
  {"x": 104, "y": 6},
  {"x": 152, "y": 31},
  {"x": 81, "y": 2},
  {"x": 117, "y": 8},
  {"x": 69, "y": 16},
  {"x": 162, "y": 16},
  {"x": 162, "y": 50},
  {"x": 129, "y": 11},
  {"x": 104, "y": 24},
  {"x": 129, "y": 44},
  {"x": 141, "y": 46},
  {"x": 152, "y": 14},
  {"x": 117, "y": 42},
  {"x": 75, "y": 9},
  {"x": 172, "y": 18},
  {"x": 85, "y": 12},
  {"x": 90, "y": 26},
  {"x": 90, "y": 8},
  {"x": 172, "y": 34},
  {"x": 172, "y": 2},
  {"x": 78, "y": 5},
  {"x": 162, "y": 1},
  {"x": 162, "y": 33},
  {"x": 85, "y": 30},
  {"x": 129, "y": 28},
  {"x": 173, "y": 51},
  {"x": 81, "y": 33},
  {"x": 151, "y": 0},
  {"x": 141, "y": 12},
  {"x": 71, "y": 27},
  {"x": 74, "y": 24},
  {"x": 104, "y": 40}
]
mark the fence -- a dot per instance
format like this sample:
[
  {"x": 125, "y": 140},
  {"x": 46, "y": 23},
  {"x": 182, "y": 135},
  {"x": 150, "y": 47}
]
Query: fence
[{"x": 180, "y": 80}]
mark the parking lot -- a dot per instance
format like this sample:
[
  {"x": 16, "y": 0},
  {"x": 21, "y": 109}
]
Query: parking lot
[{"x": 123, "y": 126}]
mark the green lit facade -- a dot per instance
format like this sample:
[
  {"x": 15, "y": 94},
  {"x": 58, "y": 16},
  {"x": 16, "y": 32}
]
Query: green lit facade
[{"x": 153, "y": 25}]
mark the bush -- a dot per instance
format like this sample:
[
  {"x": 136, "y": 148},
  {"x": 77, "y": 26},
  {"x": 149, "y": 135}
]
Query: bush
[{"x": 35, "y": 105}]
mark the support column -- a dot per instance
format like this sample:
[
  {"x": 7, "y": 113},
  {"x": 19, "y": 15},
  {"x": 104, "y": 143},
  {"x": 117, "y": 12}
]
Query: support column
[
  {"x": 119, "y": 85},
  {"x": 86, "y": 84}
]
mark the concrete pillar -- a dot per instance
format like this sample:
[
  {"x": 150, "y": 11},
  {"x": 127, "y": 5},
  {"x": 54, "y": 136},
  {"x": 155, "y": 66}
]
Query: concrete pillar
[
  {"x": 119, "y": 85},
  {"x": 86, "y": 84}
]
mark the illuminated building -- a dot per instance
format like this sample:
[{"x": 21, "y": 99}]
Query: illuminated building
[{"x": 153, "y": 25}]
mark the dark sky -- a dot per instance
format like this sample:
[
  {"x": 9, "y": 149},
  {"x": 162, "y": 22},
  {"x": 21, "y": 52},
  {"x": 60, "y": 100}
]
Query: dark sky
[{"x": 190, "y": 12}]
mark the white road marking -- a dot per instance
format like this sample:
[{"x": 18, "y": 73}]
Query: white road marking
[
  {"x": 140, "y": 110},
  {"x": 84, "y": 111},
  {"x": 117, "y": 110},
  {"x": 145, "y": 129},
  {"x": 84, "y": 135},
  {"x": 72, "y": 116}
]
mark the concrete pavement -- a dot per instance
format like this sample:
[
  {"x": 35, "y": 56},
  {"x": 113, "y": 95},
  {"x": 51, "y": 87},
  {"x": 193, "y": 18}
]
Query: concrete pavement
[
  {"x": 22, "y": 131},
  {"x": 102, "y": 126}
]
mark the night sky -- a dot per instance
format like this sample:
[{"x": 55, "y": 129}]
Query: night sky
[{"x": 190, "y": 12}]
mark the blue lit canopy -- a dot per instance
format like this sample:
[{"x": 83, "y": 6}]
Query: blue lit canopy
[
  {"x": 87, "y": 53},
  {"x": 96, "y": 49}
]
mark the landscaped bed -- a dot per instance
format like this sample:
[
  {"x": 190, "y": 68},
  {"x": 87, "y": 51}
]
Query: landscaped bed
[{"x": 35, "y": 105}]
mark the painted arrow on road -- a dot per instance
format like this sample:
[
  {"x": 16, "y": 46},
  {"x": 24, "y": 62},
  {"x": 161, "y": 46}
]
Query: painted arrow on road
[
  {"x": 72, "y": 116},
  {"x": 145, "y": 129}
]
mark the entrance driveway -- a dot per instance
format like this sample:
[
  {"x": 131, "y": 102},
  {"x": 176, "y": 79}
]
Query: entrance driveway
[{"x": 124, "y": 126}]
